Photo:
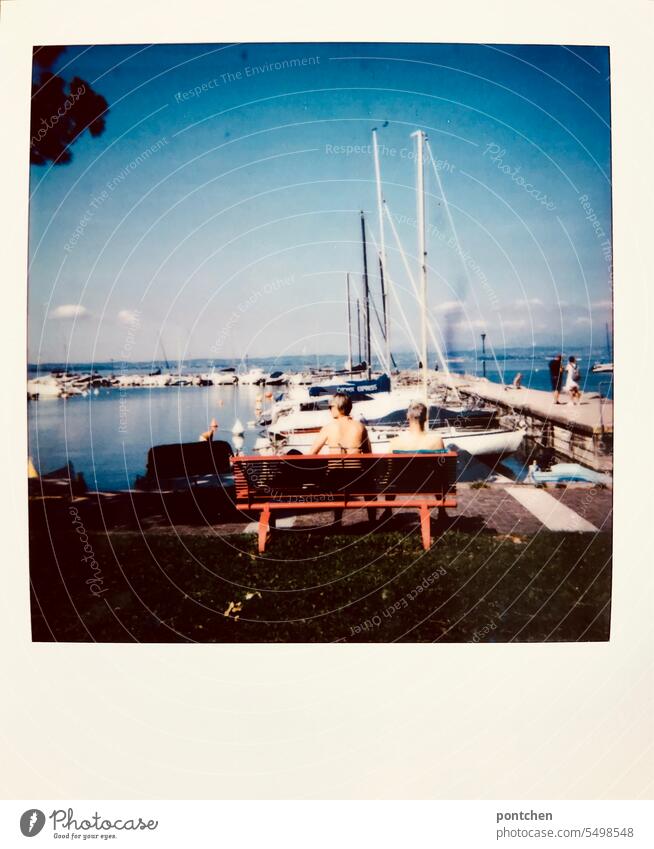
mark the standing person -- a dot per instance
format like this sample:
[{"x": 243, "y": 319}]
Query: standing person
[
  {"x": 572, "y": 380},
  {"x": 556, "y": 376},
  {"x": 343, "y": 435}
]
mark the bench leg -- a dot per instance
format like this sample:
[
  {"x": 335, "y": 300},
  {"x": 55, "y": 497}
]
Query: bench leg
[
  {"x": 425, "y": 520},
  {"x": 264, "y": 528}
]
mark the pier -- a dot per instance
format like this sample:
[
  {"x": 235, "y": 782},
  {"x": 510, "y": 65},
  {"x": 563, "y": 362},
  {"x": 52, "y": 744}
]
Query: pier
[{"x": 583, "y": 433}]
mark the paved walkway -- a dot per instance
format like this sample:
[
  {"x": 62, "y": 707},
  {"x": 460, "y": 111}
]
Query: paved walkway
[
  {"x": 552, "y": 513},
  {"x": 503, "y": 508}
]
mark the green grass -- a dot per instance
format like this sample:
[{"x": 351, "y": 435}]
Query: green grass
[{"x": 317, "y": 587}]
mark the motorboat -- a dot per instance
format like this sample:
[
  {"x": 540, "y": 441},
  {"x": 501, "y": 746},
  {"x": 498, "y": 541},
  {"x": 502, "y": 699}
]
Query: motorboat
[
  {"x": 156, "y": 379},
  {"x": 566, "y": 473},
  {"x": 253, "y": 377},
  {"x": 276, "y": 378},
  {"x": 301, "y": 379},
  {"x": 47, "y": 386},
  {"x": 124, "y": 380},
  {"x": 224, "y": 377},
  {"x": 61, "y": 482}
]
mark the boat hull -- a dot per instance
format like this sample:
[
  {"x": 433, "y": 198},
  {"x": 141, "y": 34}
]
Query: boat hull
[{"x": 497, "y": 442}]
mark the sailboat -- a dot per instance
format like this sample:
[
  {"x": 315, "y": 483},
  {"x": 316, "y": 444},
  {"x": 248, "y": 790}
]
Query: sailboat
[
  {"x": 607, "y": 367},
  {"x": 486, "y": 436},
  {"x": 156, "y": 377},
  {"x": 251, "y": 376},
  {"x": 296, "y": 418}
]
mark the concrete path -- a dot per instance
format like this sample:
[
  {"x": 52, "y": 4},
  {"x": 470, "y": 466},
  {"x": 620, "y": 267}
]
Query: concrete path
[{"x": 552, "y": 514}]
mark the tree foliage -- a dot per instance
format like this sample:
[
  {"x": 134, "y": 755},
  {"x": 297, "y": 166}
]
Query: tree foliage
[{"x": 62, "y": 110}]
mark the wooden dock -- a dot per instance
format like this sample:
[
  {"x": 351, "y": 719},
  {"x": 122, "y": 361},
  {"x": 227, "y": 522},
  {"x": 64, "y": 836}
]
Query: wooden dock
[{"x": 583, "y": 433}]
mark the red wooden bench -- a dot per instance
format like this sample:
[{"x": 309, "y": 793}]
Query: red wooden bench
[{"x": 344, "y": 481}]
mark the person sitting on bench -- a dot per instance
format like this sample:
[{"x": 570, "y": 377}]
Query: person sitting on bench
[
  {"x": 416, "y": 438},
  {"x": 343, "y": 435}
]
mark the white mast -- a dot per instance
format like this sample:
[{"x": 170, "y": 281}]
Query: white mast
[
  {"x": 349, "y": 324},
  {"x": 382, "y": 246},
  {"x": 422, "y": 250}
]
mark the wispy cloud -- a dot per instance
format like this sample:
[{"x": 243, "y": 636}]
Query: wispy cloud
[
  {"x": 70, "y": 311},
  {"x": 128, "y": 316},
  {"x": 448, "y": 306}
]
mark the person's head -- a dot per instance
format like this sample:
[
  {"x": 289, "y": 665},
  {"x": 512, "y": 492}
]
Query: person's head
[
  {"x": 417, "y": 414},
  {"x": 340, "y": 405},
  {"x": 573, "y": 360}
]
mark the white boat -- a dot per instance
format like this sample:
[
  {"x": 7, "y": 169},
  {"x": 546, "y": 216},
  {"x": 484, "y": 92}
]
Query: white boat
[
  {"x": 124, "y": 380},
  {"x": 300, "y": 379},
  {"x": 223, "y": 377},
  {"x": 499, "y": 442},
  {"x": 253, "y": 377},
  {"x": 276, "y": 378},
  {"x": 156, "y": 380},
  {"x": 44, "y": 387},
  {"x": 495, "y": 442}
]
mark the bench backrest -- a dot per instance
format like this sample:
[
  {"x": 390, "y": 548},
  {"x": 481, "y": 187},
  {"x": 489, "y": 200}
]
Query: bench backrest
[
  {"x": 275, "y": 478},
  {"x": 188, "y": 459}
]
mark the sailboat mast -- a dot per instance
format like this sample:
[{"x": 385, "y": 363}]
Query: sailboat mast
[
  {"x": 382, "y": 247},
  {"x": 349, "y": 323},
  {"x": 422, "y": 250},
  {"x": 366, "y": 290},
  {"x": 359, "y": 327},
  {"x": 608, "y": 343},
  {"x": 384, "y": 314},
  {"x": 164, "y": 354}
]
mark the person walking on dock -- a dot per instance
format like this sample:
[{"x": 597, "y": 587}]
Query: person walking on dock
[
  {"x": 556, "y": 376},
  {"x": 572, "y": 380}
]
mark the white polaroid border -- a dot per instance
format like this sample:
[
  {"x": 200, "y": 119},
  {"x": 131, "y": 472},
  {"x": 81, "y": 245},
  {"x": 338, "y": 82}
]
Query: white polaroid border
[{"x": 331, "y": 721}]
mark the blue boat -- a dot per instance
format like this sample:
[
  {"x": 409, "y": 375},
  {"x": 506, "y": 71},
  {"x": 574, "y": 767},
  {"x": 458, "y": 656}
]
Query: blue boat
[{"x": 567, "y": 473}]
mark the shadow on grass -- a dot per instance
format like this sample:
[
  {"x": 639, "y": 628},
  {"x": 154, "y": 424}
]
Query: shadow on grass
[{"x": 313, "y": 585}]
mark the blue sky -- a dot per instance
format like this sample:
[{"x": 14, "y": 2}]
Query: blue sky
[{"x": 219, "y": 210}]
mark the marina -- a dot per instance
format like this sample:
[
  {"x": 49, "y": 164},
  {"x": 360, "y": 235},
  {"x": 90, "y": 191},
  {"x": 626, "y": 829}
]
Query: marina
[
  {"x": 108, "y": 435},
  {"x": 485, "y": 421}
]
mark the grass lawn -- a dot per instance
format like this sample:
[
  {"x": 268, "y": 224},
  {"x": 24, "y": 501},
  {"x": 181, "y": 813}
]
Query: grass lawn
[{"x": 318, "y": 587}]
